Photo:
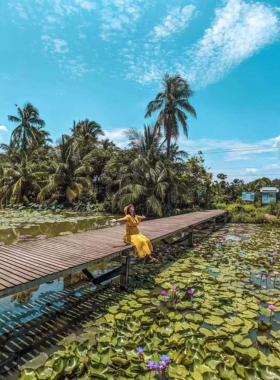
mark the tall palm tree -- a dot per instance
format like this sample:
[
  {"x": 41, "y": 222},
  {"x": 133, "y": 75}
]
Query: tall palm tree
[
  {"x": 172, "y": 102},
  {"x": 66, "y": 181},
  {"x": 29, "y": 128},
  {"x": 85, "y": 134}
]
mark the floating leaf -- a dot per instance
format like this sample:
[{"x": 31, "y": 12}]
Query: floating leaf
[
  {"x": 36, "y": 363},
  {"x": 215, "y": 321}
]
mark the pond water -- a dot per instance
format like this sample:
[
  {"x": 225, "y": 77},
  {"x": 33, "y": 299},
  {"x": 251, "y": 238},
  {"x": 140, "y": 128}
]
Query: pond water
[
  {"x": 213, "y": 310},
  {"x": 17, "y": 226}
]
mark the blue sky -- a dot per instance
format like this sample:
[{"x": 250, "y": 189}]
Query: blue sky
[{"x": 104, "y": 60}]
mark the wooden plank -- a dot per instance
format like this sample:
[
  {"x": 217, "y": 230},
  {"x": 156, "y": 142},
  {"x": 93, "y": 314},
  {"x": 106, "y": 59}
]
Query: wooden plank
[{"x": 32, "y": 263}]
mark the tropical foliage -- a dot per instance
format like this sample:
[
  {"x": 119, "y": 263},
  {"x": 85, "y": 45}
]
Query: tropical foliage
[{"x": 87, "y": 169}]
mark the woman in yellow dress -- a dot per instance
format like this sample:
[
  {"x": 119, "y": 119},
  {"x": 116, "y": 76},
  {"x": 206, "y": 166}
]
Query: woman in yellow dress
[{"x": 142, "y": 245}]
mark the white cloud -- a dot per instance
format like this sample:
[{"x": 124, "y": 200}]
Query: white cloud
[
  {"x": 175, "y": 22},
  {"x": 51, "y": 19},
  {"x": 230, "y": 150},
  {"x": 272, "y": 167},
  {"x": 276, "y": 145},
  {"x": 19, "y": 9},
  {"x": 88, "y": 5},
  {"x": 251, "y": 170},
  {"x": 119, "y": 16},
  {"x": 240, "y": 30},
  {"x": 55, "y": 45},
  {"x": 77, "y": 67},
  {"x": 82, "y": 35},
  {"x": 117, "y": 136},
  {"x": 3, "y": 128}
]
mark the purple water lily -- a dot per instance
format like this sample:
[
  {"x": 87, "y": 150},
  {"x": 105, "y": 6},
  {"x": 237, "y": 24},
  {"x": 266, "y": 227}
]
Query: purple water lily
[
  {"x": 165, "y": 358},
  {"x": 140, "y": 350},
  {"x": 190, "y": 291}
]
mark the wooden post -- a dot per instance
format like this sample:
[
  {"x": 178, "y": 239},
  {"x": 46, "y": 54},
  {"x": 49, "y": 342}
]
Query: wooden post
[
  {"x": 190, "y": 237},
  {"x": 125, "y": 259},
  {"x": 214, "y": 224},
  {"x": 87, "y": 273}
]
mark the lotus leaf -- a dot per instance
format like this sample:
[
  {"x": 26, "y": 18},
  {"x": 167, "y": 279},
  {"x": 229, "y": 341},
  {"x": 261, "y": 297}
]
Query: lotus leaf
[
  {"x": 227, "y": 373},
  {"x": 206, "y": 332},
  {"x": 177, "y": 371},
  {"x": 249, "y": 314},
  {"x": 36, "y": 363},
  {"x": 213, "y": 320},
  {"x": 262, "y": 325},
  {"x": 269, "y": 373},
  {"x": 28, "y": 374},
  {"x": 97, "y": 369},
  {"x": 234, "y": 321},
  {"x": 240, "y": 370},
  {"x": 213, "y": 347},
  {"x": 184, "y": 305}
]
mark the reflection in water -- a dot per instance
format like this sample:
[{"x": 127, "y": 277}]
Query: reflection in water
[
  {"x": 24, "y": 296},
  {"x": 67, "y": 224}
]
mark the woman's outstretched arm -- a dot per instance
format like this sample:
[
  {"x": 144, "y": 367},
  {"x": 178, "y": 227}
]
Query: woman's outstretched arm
[{"x": 119, "y": 220}]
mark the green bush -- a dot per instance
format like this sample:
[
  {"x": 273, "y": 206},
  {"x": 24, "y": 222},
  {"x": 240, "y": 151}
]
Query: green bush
[{"x": 249, "y": 213}]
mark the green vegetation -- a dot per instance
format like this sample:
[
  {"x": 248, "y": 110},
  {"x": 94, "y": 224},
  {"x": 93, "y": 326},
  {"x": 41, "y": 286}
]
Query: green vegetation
[
  {"x": 213, "y": 311},
  {"x": 85, "y": 172}
]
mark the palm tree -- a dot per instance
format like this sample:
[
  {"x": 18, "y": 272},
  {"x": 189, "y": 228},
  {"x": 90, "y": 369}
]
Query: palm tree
[
  {"x": 172, "y": 102},
  {"x": 66, "y": 180},
  {"x": 29, "y": 128},
  {"x": 177, "y": 155},
  {"x": 106, "y": 144},
  {"x": 86, "y": 134},
  {"x": 147, "y": 181},
  {"x": 21, "y": 177},
  {"x": 144, "y": 142}
]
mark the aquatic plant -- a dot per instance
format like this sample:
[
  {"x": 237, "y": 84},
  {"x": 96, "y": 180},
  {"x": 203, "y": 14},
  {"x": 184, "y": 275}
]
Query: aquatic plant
[{"x": 217, "y": 335}]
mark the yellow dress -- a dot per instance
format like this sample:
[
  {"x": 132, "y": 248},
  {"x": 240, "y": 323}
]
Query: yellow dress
[{"x": 142, "y": 245}]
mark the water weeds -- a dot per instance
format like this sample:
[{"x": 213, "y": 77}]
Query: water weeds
[{"x": 210, "y": 337}]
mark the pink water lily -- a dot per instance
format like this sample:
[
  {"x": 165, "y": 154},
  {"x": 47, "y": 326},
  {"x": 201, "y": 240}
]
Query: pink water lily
[
  {"x": 275, "y": 273},
  {"x": 173, "y": 287},
  {"x": 271, "y": 307},
  {"x": 200, "y": 246},
  {"x": 258, "y": 302},
  {"x": 190, "y": 291},
  {"x": 164, "y": 293}
]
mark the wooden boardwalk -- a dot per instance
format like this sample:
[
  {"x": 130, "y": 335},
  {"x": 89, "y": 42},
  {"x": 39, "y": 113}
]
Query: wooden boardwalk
[{"x": 29, "y": 264}]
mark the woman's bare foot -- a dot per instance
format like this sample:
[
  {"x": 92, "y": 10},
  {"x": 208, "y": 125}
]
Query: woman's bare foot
[{"x": 150, "y": 258}]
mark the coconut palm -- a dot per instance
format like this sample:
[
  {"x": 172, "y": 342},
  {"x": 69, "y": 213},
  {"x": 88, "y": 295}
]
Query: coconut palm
[
  {"x": 29, "y": 127},
  {"x": 66, "y": 181},
  {"x": 171, "y": 104},
  {"x": 144, "y": 142},
  {"x": 177, "y": 155},
  {"x": 86, "y": 134},
  {"x": 108, "y": 145},
  {"x": 21, "y": 177},
  {"x": 147, "y": 181}
]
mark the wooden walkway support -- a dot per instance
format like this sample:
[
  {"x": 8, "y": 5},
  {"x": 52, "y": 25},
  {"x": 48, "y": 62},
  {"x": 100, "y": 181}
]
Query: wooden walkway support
[{"x": 29, "y": 264}]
